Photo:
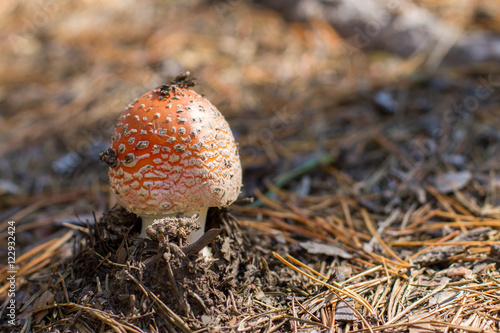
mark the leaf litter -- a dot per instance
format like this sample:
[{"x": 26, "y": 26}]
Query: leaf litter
[{"x": 397, "y": 207}]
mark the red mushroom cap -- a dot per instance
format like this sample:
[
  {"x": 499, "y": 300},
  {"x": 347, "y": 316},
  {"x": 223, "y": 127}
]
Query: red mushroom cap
[{"x": 174, "y": 152}]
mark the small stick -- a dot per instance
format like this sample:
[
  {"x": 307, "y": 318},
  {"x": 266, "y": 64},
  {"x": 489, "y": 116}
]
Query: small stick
[{"x": 204, "y": 240}]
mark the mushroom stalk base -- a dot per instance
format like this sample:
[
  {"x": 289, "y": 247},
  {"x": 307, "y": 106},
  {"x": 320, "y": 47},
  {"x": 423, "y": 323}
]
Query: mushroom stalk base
[{"x": 192, "y": 237}]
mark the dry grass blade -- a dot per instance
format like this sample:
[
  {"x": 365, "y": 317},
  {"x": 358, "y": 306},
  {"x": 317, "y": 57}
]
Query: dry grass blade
[
  {"x": 461, "y": 327},
  {"x": 172, "y": 317},
  {"x": 344, "y": 291},
  {"x": 117, "y": 325},
  {"x": 301, "y": 264},
  {"x": 36, "y": 259},
  {"x": 374, "y": 233},
  {"x": 417, "y": 303}
]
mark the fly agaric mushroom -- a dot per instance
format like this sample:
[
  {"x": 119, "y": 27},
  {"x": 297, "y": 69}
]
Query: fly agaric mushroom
[{"x": 172, "y": 153}]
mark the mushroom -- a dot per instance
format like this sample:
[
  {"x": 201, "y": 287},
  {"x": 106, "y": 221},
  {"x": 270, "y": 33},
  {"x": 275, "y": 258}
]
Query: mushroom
[{"x": 173, "y": 154}]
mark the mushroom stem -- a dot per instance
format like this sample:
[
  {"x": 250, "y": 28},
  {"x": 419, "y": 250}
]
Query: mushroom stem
[
  {"x": 202, "y": 219},
  {"x": 192, "y": 237}
]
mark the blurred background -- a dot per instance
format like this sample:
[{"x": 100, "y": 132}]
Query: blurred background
[{"x": 364, "y": 97}]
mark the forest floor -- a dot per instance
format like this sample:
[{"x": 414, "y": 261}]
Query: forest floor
[{"x": 371, "y": 200}]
